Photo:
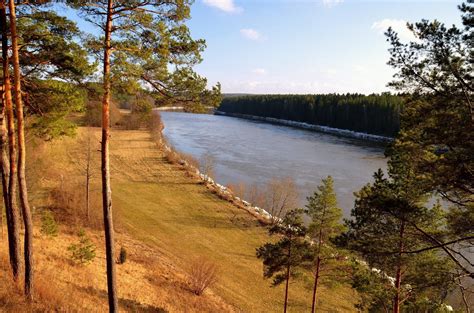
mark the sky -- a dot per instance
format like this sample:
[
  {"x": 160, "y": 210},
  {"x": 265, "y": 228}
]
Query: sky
[{"x": 304, "y": 46}]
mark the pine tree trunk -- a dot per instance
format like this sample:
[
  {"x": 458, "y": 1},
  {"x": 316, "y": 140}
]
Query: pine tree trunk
[
  {"x": 398, "y": 277},
  {"x": 318, "y": 265},
  {"x": 13, "y": 215},
  {"x": 3, "y": 159},
  {"x": 287, "y": 278},
  {"x": 27, "y": 218},
  {"x": 106, "y": 189},
  {"x": 87, "y": 194},
  {"x": 315, "y": 288},
  {"x": 88, "y": 178}
]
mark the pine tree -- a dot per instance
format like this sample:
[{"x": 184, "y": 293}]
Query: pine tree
[
  {"x": 25, "y": 205},
  {"x": 390, "y": 224},
  {"x": 437, "y": 136},
  {"x": 282, "y": 259},
  {"x": 325, "y": 225},
  {"x": 13, "y": 214},
  {"x": 53, "y": 64},
  {"x": 129, "y": 39}
]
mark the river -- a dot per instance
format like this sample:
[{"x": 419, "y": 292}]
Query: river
[{"x": 254, "y": 152}]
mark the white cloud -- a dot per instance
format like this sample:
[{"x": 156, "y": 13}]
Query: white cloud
[
  {"x": 400, "y": 26},
  {"x": 259, "y": 71},
  {"x": 224, "y": 5},
  {"x": 251, "y": 34},
  {"x": 331, "y": 3}
]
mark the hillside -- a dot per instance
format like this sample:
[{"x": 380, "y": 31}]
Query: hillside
[{"x": 165, "y": 219}]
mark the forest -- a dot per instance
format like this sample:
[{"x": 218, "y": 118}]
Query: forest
[{"x": 372, "y": 114}]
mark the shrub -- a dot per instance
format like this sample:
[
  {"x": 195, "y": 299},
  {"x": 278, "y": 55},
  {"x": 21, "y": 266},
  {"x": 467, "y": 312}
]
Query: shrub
[
  {"x": 192, "y": 161},
  {"x": 93, "y": 116},
  {"x": 48, "y": 224},
  {"x": 84, "y": 251},
  {"x": 172, "y": 157},
  {"x": 122, "y": 256},
  {"x": 202, "y": 275}
]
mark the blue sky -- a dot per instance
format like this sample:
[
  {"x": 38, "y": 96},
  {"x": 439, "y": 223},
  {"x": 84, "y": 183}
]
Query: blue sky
[{"x": 303, "y": 46}]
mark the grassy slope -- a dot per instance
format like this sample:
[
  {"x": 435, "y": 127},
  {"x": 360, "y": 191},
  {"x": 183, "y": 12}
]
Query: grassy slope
[
  {"x": 164, "y": 218},
  {"x": 161, "y": 206}
]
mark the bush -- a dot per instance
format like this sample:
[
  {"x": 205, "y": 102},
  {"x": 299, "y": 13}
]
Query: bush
[
  {"x": 192, "y": 161},
  {"x": 84, "y": 251},
  {"x": 202, "y": 275},
  {"x": 140, "y": 115},
  {"x": 155, "y": 125},
  {"x": 122, "y": 256},
  {"x": 93, "y": 115},
  {"x": 48, "y": 224}
]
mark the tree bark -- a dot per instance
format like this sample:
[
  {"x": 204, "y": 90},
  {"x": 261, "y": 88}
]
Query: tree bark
[
  {"x": 398, "y": 277},
  {"x": 3, "y": 159},
  {"x": 88, "y": 175},
  {"x": 318, "y": 265},
  {"x": 105, "y": 169},
  {"x": 87, "y": 193},
  {"x": 13, "y": 215},
  {"x": 27, "y": 218},
  {"x": 287, "y": 278},
  {"x": 315, "y": 288}
]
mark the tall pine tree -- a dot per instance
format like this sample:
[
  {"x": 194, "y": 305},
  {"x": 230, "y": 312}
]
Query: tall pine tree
[
  {"x": 325, "y": 225},
  {"x": 282, "y": 259}
]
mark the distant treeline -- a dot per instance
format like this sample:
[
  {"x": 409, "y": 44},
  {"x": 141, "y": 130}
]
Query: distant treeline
[{"x": 377, "y": 114}]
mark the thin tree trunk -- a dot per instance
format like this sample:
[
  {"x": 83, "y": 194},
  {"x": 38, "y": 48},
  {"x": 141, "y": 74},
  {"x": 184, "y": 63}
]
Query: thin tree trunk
[
  {"x": 287, "y": 278},
  {"x": 13, "y": 215},
  {"x": 398, "y": 277},
  {"x": 318, "y": 265},
  {"x": 106, "y": 189},
  {"x": 3, "y": 159},
  {"x": 88, "y": 172},
  {"x": 27, "y": 218},
  {"x": 87, "y": 194},
  {"x": 315, "y": 288}
]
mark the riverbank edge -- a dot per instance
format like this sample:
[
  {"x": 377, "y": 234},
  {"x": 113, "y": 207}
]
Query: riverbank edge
[
  {"x": 223, "y": 192},
  {"x": 318, "y": 128}
]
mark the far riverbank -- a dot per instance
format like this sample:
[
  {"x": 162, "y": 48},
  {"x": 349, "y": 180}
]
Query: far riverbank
[{"x": 323, "y": 129}]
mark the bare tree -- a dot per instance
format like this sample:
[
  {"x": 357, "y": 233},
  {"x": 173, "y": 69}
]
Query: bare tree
[
  {"x": 281, "y": 195},
  {"x": 255, "y": 194},
  {"x": 27, "y": 218},
  {"x": 206, "y": 165},
  {"x": 277, "y": 196},
  {"x": 86, "y": 162},
  {"x": 12, "y": 213},
  {"x": 239, "y": 189}
]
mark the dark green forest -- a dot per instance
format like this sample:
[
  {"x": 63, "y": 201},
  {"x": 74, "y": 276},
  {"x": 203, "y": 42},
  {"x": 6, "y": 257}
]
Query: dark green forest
[{"x": 377, "y": 114}]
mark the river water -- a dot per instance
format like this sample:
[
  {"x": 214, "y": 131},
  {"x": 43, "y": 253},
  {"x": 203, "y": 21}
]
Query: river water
[{"x": 254, "y": 152}]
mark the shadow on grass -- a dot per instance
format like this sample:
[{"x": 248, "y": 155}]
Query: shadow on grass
[{"x": 128, "y": 304}]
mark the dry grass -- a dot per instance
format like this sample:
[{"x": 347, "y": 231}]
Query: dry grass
[
  {"x": 184, "y": 220},
  {"x": 149, "y": 283},
  {"x": 164, "y": 218}
]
